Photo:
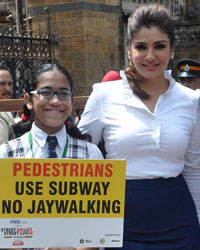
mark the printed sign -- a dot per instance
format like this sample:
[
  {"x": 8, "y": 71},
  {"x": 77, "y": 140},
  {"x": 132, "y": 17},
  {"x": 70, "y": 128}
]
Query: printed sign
[{"x": 61, "y": 203}]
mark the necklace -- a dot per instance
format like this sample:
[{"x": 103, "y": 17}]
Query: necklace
[{"x": 31, "y": 145}]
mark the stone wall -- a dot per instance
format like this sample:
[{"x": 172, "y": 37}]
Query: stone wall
[
  {"x": 7, "y": 4},
  {"x": 90, "y": 36}
]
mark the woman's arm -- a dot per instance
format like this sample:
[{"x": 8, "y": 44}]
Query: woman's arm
[
  {"x": 191, "y": 171},
  {"x": 91, "y": 119}
]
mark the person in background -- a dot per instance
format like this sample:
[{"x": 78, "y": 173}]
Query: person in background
[
  {"x": 189, "y": 73},
  {"x": 47, "y": 106},
  {"x": 152, "y": 122},
  {"x": 111, "y": 76},
  {"x": 6, "y": 88},
  {"x": 78, "y": 116}
]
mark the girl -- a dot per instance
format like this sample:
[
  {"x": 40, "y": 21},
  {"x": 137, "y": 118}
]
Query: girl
[{"x": 49, "y": 103}]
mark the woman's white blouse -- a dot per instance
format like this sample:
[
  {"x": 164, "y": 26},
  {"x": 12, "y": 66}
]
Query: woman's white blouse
[
  {"x": 40, "y": 145},
  {"x": 154, "y": 144},
  {"x": 159, "y": 144}
]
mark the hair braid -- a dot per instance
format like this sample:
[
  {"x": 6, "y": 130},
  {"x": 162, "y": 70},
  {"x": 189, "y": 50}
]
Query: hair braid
[{"x": 134, "y": 81}]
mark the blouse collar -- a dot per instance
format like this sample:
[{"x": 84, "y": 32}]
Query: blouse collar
[{"x": 132, "y": 99}]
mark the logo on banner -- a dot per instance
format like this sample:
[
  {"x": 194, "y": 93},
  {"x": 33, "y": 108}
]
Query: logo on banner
[
  {"x": 18, "y": 243},
  {"x": 102, "y": 241},
  {"x": 18, "y": 222},
  {"x": 18, "y": 232}
]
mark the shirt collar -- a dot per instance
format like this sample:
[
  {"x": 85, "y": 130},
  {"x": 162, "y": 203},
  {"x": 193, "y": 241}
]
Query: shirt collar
[
  {"x": 131, "y": 99},
  {"x": 40, "y": 136},
  {"x": 171, "y": 80}
]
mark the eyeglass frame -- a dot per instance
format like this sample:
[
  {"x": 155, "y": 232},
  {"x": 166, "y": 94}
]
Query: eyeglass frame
[{"x": 53, "y": 93}]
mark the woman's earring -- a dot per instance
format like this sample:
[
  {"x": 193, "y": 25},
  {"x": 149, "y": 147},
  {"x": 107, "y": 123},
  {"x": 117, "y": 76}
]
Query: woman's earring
[
  {"x": 172, "y": 57},
  {"x": 129, "y": 57}
]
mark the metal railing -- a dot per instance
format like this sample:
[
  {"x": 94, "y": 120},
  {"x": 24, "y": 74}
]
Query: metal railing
[{"x": 22, "y": 51}]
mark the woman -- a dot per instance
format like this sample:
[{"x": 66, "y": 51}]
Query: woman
[
  {"x": 157, "y": 131},
  {"x": 49, "y": 103}
]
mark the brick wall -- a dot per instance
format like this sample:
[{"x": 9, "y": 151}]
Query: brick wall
[{"x": 90, "y": 37}]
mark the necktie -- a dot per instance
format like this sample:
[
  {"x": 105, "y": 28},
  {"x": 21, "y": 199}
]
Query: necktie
[{"x": 52, "y": 143}]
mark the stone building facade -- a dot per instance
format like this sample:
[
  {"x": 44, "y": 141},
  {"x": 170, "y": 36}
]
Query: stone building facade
[
  {"x": 91, "y": 34},
  {"x": 7, "y": 5}
]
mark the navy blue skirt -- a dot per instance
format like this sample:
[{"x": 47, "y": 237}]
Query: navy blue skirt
[{"x": 160, "y": 215}]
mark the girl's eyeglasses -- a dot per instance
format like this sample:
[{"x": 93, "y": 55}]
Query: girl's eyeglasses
[{"x": 49, "y": 93}]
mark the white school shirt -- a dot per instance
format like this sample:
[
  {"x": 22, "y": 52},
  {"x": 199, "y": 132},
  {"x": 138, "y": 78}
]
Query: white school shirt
[{"x": 40, "y": 145}]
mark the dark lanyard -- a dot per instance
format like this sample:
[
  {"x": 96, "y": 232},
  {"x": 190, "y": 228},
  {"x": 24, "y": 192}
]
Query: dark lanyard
[{"x": 31, "y": 145}]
